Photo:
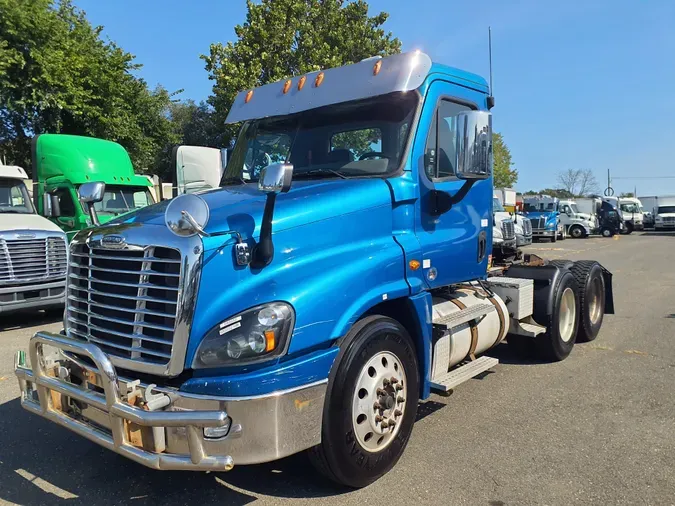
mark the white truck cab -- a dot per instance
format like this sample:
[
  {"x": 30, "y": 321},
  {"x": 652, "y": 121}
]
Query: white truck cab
[
  {"x": 503, "y": 231},
  {"x": 633, "y": 213},
  {"x": 33, "y": 250},
  {"x": 664, "y": 214},
  {"x": 522, "y": 225},
  {"x": 577, "y": 224}
]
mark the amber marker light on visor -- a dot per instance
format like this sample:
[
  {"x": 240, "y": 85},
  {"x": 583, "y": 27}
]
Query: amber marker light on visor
[
  {"x": 249, "y": 95},
  {"x": 319, "y": 79},
  {"x": 287, "y": 86},
  {"x": 377, "y": 67},
  {"x": 301, "y": 82},
  {"x": 270, "y": 340}
]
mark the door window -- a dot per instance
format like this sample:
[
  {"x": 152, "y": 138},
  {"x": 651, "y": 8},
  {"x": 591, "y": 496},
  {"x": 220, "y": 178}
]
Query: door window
[
  {"x": 66, "y": 203},
  {"x": 439, "y": 159}
]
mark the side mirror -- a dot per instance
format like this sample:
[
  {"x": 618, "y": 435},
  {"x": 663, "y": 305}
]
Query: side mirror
[
  {"x": 47, "y": 210},
  {"x": 473, "y": 143},
  {"x": 276, "y": 178},
  {"x": 56, "y": 205},
  {"x": 90, "y": 193}
]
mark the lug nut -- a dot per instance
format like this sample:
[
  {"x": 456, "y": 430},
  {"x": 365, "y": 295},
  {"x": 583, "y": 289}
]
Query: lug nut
[
  {"x": 391, "y": 424},
  {"x": 378, "y": 418},
  {"x": 394, "y": 380},
  {"x": 381, "y": 392},
  {"x": 385, "y": 424},
  {"x": 401, "y": 399},
  {"x": 398, "y": 412},
  {"x": 385, "y": 382},
  {"x": 399, "y": 387}
]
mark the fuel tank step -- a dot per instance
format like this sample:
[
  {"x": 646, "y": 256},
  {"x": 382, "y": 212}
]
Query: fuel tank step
[
  {"x": 457, "y": 376},
  {"x": 465, "y": 315}
]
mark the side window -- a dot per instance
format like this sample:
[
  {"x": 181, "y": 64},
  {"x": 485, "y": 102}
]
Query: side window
[
  {"x": 66, "y": 204},
  {"x": 439, "y": 159}
]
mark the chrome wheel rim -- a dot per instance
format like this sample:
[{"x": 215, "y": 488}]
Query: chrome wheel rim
[
  {"x": 378, "y": 402},
  {"x": 595, "y": 305},
  {"x": 567, "y": 315}
]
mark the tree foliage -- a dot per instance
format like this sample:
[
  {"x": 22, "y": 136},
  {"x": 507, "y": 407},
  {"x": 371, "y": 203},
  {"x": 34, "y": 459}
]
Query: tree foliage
[
  {"x": 505, "y": 176},
  {"x": 58, "y": 75},
  {"x": 561, "y": 193},
  {"x": 283, "y": 38},
  {"x": 578, "y": 182}
]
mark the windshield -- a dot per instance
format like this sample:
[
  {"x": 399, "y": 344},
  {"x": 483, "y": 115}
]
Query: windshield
[
  {"x": 497, "y": 206},
  {"x": 14, "y": 197},
  {"x": 629, "y": 208},
  {"x": 359, "y": 138},
  {"x": 574, "y": 208},
  {"x": 666, "y": 209},
  {"x": 121, "y": 199}
]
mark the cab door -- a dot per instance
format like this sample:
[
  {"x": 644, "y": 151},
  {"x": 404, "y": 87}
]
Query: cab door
[{"x": 455, "y": 242}]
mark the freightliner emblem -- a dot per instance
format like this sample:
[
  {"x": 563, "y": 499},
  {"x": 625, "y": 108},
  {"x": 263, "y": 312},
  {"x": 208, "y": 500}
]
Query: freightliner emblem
[{"x": 113, "y": 242}]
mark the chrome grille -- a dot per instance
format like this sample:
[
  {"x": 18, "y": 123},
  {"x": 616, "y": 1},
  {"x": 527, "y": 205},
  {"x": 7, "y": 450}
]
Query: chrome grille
[
  {"x": 508, "y": 229},
  {"x": 669, "y": 219},
  {"x": 527, "y": 226},
  {"x": 538, "y": 223},
  {"x": 125, "y": 301},
  {"x": 25, "y": 260}
]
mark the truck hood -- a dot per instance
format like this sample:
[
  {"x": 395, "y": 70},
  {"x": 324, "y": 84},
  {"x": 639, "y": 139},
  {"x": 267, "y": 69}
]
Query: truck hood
[
  {"x": 12, "y": 221},
  {"x": 241, "y": 207}
]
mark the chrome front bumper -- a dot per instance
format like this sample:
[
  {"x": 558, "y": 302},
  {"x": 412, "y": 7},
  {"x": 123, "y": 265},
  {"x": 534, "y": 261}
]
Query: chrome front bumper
[{"x": 262, "y": 428}]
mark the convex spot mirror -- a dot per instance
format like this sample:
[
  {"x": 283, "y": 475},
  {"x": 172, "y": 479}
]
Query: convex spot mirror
[
  {"x": 276, "y": 178},
  {"x": 187, "y": 215},
  {"x": 91, "y": 192},
  {"x": 473, "y": 145}
]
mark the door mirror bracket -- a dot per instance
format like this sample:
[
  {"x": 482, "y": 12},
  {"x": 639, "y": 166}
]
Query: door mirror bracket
[{"x": 441, "y": 202}]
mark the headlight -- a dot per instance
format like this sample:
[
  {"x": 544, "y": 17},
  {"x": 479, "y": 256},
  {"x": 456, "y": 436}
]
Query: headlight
[
  {"x": 659, "y": 218},
  {"x": 256, "y": 334}
]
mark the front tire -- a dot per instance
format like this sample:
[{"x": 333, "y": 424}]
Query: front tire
[
  {"x": 577, "y": 232},
  {"x": 591, "y": 294},
  {"x": 554, "y": 237},
  {"x": 557, "y": 343},
  {"x": 607, "y": 232},
  {"x": 628, "y": 228},
  {"x": 371, "y": 404}
]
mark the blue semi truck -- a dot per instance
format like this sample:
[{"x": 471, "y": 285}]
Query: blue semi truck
[{"x": 313, "y": 303}]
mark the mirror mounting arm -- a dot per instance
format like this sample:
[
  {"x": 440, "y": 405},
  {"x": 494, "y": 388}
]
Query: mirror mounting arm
[
  {"x": 442, "y": 202},
  {"x": 264, "y": 250}
]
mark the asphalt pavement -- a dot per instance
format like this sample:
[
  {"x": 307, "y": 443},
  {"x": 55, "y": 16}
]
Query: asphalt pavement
[{"x": 597, "y": 428}]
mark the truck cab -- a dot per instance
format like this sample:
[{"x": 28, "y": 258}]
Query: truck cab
[
  {"x": 507, "y": 202},
  {"x": 33, "y": 253},
  {"x": 664, "y": 214},
  {"x": 577, "y": 224},
  {"x": 543, "y": 211},
  {"x": 503, "y": 232},
  {"x": 633, "y": 214},
  {"x": 338, "y": 276},
  {"x": 62, "y": 163}
]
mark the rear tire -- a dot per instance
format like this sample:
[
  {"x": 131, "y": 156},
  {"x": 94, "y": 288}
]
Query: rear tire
[
  {"x": 557, "y": 343},
  {"x": 351, "y": 435},
  {"x": 591, "y": 295}
]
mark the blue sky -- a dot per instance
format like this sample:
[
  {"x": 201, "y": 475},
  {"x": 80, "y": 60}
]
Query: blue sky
[{"x": 578, "y": 84}]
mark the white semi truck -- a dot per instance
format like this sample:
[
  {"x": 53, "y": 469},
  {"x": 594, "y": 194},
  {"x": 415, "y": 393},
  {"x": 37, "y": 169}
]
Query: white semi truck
[
  {"x": 577, "y": 224},
  {"x": 505, "y": 207},
  {"x": 33, "y": 254}
]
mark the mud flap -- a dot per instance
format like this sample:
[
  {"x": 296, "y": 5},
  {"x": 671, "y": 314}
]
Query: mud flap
[{"x": 609, "y": 292}]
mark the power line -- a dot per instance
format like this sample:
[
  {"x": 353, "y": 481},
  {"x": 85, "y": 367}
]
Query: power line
[{"x": 643, "y": 177}]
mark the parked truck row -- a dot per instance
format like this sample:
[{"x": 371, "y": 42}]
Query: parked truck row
[{"x": 317, "y": 294}]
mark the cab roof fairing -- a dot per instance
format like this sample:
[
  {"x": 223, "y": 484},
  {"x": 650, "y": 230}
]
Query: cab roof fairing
[{"x": 400, "y": 72}]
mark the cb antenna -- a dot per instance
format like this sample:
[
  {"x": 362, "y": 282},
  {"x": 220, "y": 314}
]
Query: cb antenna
[{"x": 491, "y": 98}]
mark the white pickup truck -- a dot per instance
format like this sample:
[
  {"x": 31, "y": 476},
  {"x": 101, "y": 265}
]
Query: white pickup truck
[{"x": 33, "y": 250}]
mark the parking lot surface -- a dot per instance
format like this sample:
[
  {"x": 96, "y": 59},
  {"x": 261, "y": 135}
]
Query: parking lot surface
[{"x": 597, "y": 428}]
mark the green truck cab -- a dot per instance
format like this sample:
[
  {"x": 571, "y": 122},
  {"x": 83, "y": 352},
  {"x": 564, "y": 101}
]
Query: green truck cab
[{"x": 62, "y": 163}]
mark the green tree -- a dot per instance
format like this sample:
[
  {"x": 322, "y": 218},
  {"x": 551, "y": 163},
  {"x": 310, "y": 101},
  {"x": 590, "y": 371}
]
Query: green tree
[
  {"x": 58, "y": 75},
  {"x": 283, "y": 38},
  {"x": 505, "y": 176}
]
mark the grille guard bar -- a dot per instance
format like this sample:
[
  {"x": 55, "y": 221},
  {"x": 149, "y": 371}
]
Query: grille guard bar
[{"x": 117, "y": 409}]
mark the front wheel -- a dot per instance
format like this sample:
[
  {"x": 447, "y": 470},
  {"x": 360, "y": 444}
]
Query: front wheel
[
  {"x": 554, "y": 237},
  {"x": 607, "y": 232},
  {"x": 628, "y": 228},
  {"x": 370, "y": 406},
  {"x": 577, "y": 232}
]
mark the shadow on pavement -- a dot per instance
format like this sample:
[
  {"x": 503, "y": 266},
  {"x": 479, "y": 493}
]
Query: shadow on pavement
[
  {"x": 667, "y": 234},
  {"x": 30, "y": 318},
  {"x": 42, "y": 463},
  {"x": 507, "y": 355}
]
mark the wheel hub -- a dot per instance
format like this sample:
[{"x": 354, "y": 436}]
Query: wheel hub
[{"x": 379, "y": 401}]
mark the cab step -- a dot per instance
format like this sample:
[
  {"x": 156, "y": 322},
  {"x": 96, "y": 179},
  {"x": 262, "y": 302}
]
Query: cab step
[
  {"x": 450, "y": 380},
  {"x": 458, "y": 318}
]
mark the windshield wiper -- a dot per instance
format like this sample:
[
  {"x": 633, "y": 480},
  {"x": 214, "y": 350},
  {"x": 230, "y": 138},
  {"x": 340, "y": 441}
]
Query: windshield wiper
[
  {"x": 320, "y": 171},
  {"x": 233, "y": 180}
]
